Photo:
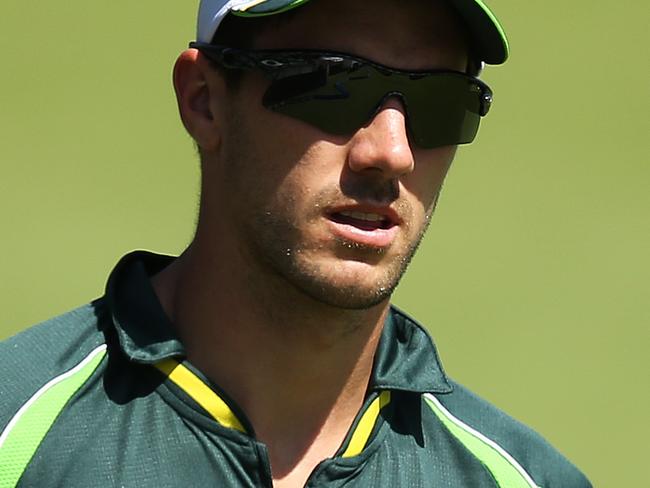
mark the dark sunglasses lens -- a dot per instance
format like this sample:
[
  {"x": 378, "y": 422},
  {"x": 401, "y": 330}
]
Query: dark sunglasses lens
[
  {"x": 338, "y": 104},
  {"x": 443, "y": 110}
]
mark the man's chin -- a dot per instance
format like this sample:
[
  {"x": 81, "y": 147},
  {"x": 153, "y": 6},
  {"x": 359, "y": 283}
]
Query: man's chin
[
  {"x": 355, "y": 287},
  {"x": 352, "y": 281},
  {"x": 348, "y": 297}
]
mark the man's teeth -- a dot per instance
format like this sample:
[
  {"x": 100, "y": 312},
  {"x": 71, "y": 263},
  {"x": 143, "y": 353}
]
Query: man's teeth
[{"x": 370, "y": 217}]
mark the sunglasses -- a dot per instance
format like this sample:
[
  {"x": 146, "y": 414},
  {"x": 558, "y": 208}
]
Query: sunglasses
[{"x": 339, "y": 93}]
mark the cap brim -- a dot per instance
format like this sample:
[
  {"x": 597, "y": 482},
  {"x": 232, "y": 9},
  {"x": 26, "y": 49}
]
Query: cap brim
[
  {"x": 266, "y": 7},
  {"x": 488, "y": 39}
]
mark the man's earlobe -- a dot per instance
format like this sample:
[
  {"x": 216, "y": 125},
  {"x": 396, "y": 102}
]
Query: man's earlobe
[{"x": 195, "y": 90}]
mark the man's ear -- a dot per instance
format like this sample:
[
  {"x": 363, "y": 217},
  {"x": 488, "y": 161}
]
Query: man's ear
[{"x": 199, "y": 92}]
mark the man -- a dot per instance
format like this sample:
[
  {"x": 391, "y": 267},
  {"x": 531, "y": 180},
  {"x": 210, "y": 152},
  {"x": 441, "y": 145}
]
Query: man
[{"x": 268, "y": 354}]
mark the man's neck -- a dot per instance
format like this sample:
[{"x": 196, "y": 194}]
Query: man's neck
[{"x": 299, "y": 369}]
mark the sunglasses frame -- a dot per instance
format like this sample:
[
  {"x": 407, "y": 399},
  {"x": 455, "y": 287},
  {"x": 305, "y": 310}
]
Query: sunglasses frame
[{"x": 279, "y": 64}]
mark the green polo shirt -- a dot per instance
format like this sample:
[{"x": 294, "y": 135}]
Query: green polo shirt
[{"x": 103, "y": 397}]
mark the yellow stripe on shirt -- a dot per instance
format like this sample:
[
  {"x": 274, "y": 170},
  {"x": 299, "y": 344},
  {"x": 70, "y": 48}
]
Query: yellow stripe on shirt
[
  {"x": 200, "y": 393},
  {"x": 364, "y": 428}
]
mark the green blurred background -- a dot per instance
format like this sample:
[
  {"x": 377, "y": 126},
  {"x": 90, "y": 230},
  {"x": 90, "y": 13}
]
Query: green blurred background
[{"x": 533, "y": 278}]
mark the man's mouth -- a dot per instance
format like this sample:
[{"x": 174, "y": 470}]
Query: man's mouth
[
  {"x": 362, "y": 220},
  {"x": 370, "y": 227}
]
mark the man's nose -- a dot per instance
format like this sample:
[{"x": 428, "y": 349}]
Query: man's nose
[{"x": 383, "y": 144}]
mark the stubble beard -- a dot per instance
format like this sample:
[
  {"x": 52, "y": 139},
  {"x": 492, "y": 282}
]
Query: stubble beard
[
  {"x": 275, "y": 236},
  {"x": 286, "y": 258},
  {"x": 274, "y": 243}
]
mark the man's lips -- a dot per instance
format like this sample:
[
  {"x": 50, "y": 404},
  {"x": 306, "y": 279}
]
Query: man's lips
[
  {"x": 364, "y": 221},
  {"x": 367, "y": 226},
  {"x": 365, "y": 216}
]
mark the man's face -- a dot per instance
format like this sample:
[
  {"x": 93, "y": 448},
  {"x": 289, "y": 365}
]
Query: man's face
[{"x": 337, "y": 217}]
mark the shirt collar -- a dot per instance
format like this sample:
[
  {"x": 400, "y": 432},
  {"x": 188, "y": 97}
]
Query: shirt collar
[
  {"x": 145, "y": 333},
  {"x": 406, "y": 358}
]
